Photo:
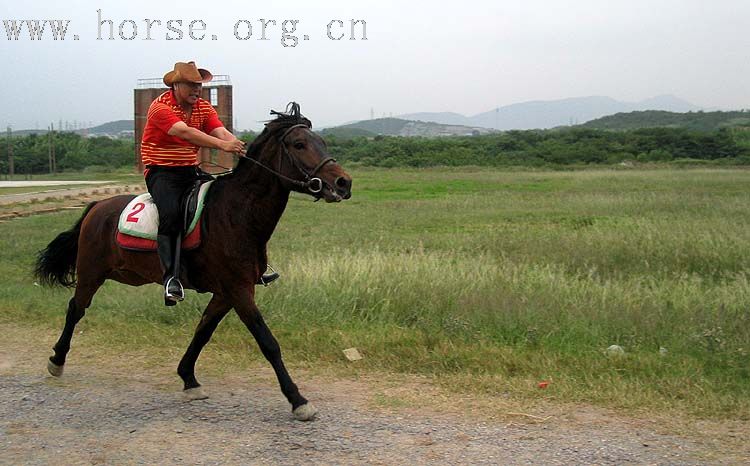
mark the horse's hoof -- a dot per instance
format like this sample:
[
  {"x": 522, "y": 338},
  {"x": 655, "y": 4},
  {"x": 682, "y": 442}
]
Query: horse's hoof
[
  {"x": 54, "y": 369},
  {"x": 305, "y": 412},
  {"x": 193, "y": 394}
]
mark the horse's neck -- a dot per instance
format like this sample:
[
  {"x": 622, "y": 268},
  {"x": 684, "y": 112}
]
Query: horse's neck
[{"x": 254, "y": 200}]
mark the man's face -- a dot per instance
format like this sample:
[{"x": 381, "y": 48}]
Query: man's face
[{"x": 188, "y": 92}]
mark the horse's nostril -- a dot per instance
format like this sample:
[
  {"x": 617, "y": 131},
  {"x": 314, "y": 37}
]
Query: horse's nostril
[{"x": 342, "y": 182}]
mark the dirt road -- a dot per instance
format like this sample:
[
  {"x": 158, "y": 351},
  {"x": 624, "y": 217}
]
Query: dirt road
[
  {"x": 79, "y": 194},
  {"x": 108, "y": 410}
]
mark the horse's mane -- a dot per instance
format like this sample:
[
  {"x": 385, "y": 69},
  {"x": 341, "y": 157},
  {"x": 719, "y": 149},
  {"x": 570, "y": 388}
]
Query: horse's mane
[{"x": 284, "y": 120}]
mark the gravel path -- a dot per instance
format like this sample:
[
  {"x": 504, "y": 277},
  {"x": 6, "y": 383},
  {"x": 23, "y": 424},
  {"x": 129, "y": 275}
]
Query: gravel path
[
  {"x": 96, "y": 414},
  {"x": 96, "y": 192},
  {"x": 92, "y": 421},
  {"x": 34, "y": 184}
]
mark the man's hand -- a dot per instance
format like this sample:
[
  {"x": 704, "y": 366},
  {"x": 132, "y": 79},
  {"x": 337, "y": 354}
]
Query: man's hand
[
  {"x": 233, "y": 145},
  {"x": 236, "y": 146}
]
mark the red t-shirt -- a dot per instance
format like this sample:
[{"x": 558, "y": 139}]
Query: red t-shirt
[{"x": 158, "y": 147}]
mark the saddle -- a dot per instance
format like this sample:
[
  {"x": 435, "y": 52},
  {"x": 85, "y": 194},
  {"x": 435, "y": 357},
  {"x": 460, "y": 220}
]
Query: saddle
[{"x": 139, "y": 220}]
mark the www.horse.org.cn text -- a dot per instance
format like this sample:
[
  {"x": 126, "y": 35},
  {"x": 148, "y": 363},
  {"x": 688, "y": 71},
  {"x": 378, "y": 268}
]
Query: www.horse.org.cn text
[{"x": 287, "y": 31}]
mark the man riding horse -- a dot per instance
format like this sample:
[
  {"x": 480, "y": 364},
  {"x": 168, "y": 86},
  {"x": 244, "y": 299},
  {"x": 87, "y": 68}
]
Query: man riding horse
[
  {"x": 178, "y": 124},
  {"x": 239, "y": 218}
]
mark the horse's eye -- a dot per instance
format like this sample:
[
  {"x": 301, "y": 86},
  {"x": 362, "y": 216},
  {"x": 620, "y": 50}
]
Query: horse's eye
[{"x": 299, "y": 145}]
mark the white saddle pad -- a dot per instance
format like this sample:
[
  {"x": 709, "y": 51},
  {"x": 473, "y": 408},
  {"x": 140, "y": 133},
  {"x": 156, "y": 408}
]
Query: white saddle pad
[{"x": 141, "y": 219}]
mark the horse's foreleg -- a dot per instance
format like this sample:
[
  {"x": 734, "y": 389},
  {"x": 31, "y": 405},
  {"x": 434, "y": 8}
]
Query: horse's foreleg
[
  {"x": 250, "y": 316},
  {"x": 215, "y": 311},
  {"x": 76, "y": 310}
]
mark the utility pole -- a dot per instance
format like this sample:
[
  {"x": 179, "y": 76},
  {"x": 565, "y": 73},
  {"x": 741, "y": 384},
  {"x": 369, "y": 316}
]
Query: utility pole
[
  {"x": 11, "y": 168},
  {"x": 49, "y": 147},
  {"x": 54, "y": 156}
]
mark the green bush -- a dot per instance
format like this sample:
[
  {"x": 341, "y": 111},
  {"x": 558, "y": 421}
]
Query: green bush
[
  {"x": 551, "y": 148},
  {"x": 574, "y": 146}
]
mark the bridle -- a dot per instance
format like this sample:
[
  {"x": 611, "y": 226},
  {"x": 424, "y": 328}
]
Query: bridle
[{"x": 311, "y": 183}]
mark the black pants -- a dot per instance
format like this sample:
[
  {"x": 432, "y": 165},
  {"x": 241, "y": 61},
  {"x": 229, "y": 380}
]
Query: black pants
[{"x": 168, "y": 187}]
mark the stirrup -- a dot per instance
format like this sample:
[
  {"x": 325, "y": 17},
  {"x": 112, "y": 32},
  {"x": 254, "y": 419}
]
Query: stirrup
[
  {"x": 172, "y": 297},
  {"x": 266, "y": 279}
]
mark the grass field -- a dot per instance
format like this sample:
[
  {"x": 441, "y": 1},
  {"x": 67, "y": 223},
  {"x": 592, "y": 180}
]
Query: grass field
[{"x": 488, "y": 281}]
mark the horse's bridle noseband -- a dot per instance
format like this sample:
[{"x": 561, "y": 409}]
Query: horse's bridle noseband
[{"x": 311, "y": 183}]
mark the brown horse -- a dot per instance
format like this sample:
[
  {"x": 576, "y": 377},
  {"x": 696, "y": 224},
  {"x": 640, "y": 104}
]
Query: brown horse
[{"x": 242, "y": 210}]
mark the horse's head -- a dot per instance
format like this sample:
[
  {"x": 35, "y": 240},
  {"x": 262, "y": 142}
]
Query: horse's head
[
  {"x": 308, "y": 158},
  {"x": 300, "y": 157}
]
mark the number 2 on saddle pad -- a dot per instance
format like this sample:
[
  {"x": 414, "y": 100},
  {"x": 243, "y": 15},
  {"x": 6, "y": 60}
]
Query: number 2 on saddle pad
[{"x": 137, "y": 209}]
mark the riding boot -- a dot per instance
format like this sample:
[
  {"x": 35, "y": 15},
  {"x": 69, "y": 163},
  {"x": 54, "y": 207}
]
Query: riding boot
[{"x": 168, "y": 251}]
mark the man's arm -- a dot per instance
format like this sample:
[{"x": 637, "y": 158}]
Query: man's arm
[
  {"x": 199, "y": 138},
  {"x": 223, "y": 134}
]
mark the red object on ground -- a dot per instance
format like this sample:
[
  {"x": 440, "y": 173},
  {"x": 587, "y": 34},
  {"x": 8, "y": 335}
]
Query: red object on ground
[{"x": 543, "y": 384}]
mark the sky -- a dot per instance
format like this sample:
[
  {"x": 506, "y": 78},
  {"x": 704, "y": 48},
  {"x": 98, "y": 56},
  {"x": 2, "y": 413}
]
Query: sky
[{"x": 466, "y": 56}]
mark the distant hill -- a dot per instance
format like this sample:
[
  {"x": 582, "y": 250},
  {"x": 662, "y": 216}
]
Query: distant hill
[
  {"x": 445, "y": 118},
  {"x": 552, "y": 113},
  {"x": 347, "y": 132},
  {"x": 697, "y": 121},
  {"x": 26, "y": 132},
  {"x": 400, "y": 127},
  {"x": 112, "y": 127}
]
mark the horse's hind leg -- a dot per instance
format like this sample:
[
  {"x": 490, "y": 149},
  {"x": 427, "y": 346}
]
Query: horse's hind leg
[
  {"x": 76, "y": 310},
  {"x": 215, "y": 311}
]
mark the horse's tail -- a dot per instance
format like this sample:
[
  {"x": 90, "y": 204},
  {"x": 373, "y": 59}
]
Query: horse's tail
[{"x": 56, "y": 264}]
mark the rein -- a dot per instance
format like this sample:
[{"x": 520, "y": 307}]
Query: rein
[{"x": 311, "y": 183}]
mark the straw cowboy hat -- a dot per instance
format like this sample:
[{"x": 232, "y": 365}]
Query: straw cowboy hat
[{"x": 187, "y": 72}]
